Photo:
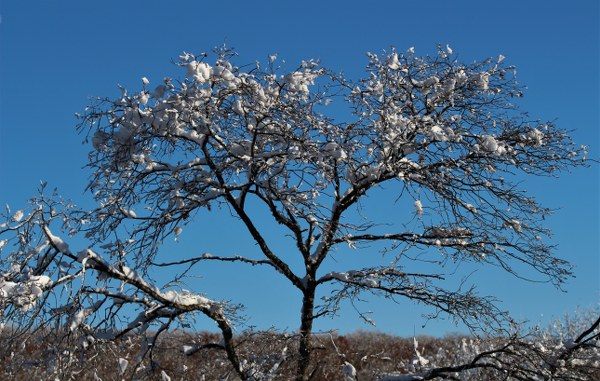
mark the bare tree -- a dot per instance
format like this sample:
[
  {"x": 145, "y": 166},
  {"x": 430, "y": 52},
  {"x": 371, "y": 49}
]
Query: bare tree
[{"x": 305, "y": 146}]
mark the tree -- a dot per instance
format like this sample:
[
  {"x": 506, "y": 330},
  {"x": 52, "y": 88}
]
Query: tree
[{"x": 307, "y": 146}]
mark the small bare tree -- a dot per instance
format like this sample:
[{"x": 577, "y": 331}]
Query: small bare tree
[{"x": 306, "y": 146}]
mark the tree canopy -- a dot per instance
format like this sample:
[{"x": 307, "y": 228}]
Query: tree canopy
[{"x": 304, "y": 146}]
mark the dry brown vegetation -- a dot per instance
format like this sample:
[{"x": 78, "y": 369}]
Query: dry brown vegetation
[
  {"x": 372, "y": 353},
  {"x": 196, "y": 356}
]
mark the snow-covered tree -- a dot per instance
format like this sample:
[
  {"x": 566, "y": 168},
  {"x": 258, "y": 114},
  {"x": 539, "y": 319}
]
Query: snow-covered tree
[{"x": 306, "y": 147}]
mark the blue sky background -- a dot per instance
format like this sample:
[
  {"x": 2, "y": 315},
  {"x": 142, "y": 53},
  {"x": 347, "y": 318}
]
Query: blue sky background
[{"x": 54, "y": 55}]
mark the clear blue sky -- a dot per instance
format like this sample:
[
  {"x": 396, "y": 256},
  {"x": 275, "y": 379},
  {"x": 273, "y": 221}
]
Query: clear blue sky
[{"x": 56, "y": 54}]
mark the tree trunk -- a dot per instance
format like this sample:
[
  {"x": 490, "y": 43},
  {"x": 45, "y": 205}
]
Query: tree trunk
[{"x": 306, "y": 327}]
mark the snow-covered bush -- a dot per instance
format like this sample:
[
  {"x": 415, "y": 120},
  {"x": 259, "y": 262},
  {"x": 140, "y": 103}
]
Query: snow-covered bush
[{"x": 567, "y": 350}]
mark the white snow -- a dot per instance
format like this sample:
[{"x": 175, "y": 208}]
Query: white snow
[
  {"x": 489, "y": 143},
  {"x": 418, "y": 207},
  {"x": 438, "y": 134},
  {"x": 340, "y": 276},
  {"x": 7, "y": 289},
  {"x": 129, "y": 213},
  {"x": 394, "y": 64},
  {"x": 240, "y": 150},
  {"x": 177, "y": 230},
  {"x": 200, "y": 71},
  {"x": 188, "y": 349},
  {"x": 99, "y": 140},
  {"x": 335, "y": 151},
  {"x": 122, "y": 366},
  {"x": 536, "y": 137},
  {"x": 471, "y": 208},
  {"x": 57, "y": 242},
  {"x": 227, "y": 75},
  {"x": 299, "y": 81},
  {"x": 133, "y": 275},
  {"x": 185, "y": 298},
  {"x": 349, "y": 370},
  {"x": 18, "y": 216},
  {"x": 238, "y": 108},
  {"x": 39, "y": 283},
  {"x": 24, "y": 295},
  {"x": 418, "y": 360},
  {"x": 144, "y": 97},
  {"x": 483, "y": 80},
  {"x": 88, "y": 254},
  {"x": 78, "y": 318},
  {"x": 515, "y": 225}
]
